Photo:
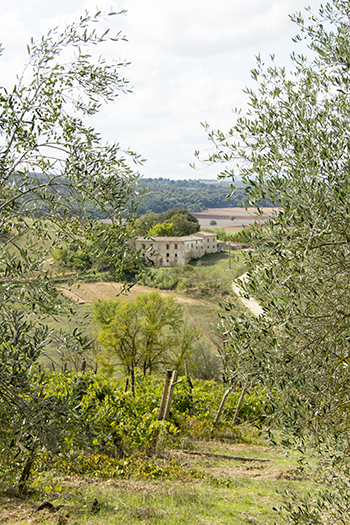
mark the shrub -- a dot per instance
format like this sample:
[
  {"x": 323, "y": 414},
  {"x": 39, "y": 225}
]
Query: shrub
[{"x": 161, "y": 278}]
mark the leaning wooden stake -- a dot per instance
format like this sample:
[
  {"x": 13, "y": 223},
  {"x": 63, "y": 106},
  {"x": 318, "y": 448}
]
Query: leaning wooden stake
[
  {"x": 126, "y": 384},
  {"x": 187, "y": 372},
  {"x": 161, "y": 410},
  {"x": 223, "y": 401},
  {"x": 170, "y": 396},
  {"x": 164, "y": 394},
  {"x": 240, "y": 401},
  {"x": 190, "y": 384}
]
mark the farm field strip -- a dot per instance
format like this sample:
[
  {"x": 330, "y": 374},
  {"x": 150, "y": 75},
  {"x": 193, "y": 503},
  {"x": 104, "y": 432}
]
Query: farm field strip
[
  {"x": 89, "y": 292},
  {"x": 241, "y": 216}
]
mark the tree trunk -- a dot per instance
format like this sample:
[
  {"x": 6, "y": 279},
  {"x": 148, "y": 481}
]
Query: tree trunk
[
  {"x": 240, "y": 401},
  {"x": 26, "y": 472},
  {"x": 223, "y": 401},
  {"x": 132, "y": 380}
]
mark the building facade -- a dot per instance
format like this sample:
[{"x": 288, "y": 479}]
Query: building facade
[{"x": 169, "y": 251}]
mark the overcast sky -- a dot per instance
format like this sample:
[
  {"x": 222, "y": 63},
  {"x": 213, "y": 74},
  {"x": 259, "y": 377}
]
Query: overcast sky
[{"x": 190, "y": 60}]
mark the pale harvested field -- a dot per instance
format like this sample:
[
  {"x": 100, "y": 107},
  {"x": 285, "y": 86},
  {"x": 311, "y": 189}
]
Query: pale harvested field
[
  {"x": 222, "y": 216},
  {"x": 90, "y": 292}
]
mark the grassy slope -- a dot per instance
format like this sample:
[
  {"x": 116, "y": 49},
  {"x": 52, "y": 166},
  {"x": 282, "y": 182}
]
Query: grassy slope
[
  {"x": 208, "y": 285},
  {"x": 231, "y": 493}
]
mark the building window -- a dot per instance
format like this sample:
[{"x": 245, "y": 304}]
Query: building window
[
  {"x": 167, "y": 246},
  {"x": 175, "y": 246},
  {"x": 207, "y": 240},
  {"x": 175, "y": 254},
  {"x": 167, "y": 256}
]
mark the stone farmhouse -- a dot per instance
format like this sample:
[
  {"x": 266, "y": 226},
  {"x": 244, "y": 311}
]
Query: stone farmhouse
[{"x": 168, "y": 251}]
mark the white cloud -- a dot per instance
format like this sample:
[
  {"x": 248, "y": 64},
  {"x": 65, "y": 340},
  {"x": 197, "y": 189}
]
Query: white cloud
[{"x": 190, "y": 61}]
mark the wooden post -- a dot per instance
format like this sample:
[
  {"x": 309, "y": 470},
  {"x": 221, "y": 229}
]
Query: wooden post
[
  {"x": 164, "y": 394},
  {"x": 222, "y": 405},
  {"x": 190, "y": 384},
  {"x": 167, "y": 380},
  {"x": 170, "y": 396},
  {"x": 187, "y": 372},
  {"x": 240, "y": 401},
  {"x": 132, "y": 378},
  {"x": 126, "y": 384}
]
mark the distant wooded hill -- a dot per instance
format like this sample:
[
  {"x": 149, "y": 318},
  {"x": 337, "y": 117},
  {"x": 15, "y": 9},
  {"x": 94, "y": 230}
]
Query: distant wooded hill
[
  {"x": 158, "y": 195},
  {"x": 193, "y": 195}
]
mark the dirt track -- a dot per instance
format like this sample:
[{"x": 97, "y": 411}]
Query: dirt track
[
  {"x": 252, "y": 304},
  {"x": 90, "y": 292}
]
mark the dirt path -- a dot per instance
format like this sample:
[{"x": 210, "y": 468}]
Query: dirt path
[
  {"x": 252, "y": 304},
  {"x": 90, "y": 292}
]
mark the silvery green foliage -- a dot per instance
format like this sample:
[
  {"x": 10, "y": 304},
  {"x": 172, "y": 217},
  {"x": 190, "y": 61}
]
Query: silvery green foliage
[
  {"x": 56, "y": 176},
  {"x": 292, "y": 147}
]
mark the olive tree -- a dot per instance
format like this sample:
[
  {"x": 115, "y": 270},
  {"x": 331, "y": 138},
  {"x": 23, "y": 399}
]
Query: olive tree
[
  {"x": 56, "y": 175},
  {"x": 292, "y": 147}
]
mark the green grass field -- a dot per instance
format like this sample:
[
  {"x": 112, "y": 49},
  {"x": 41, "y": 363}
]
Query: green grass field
[{"x": 228, "y": 492}]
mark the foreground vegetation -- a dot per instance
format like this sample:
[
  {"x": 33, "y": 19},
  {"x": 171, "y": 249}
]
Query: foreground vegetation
[
  {"x": 287, "y": 368},
  {"x": 292, "y": 145},
  {"x": 227, "y": 491},
  {"x": 113, "y": 471}
]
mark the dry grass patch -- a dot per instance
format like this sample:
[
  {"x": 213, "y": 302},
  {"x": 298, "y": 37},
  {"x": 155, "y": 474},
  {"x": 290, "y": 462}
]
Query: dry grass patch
[{"x": 90, "y": 292}]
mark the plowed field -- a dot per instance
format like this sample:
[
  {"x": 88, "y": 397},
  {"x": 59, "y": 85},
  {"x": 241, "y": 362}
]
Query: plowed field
[{"x": 222, "y": 217}]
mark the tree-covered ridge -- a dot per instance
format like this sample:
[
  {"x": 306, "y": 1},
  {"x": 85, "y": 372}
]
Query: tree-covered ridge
[
  {"x": 174, "y": 222},
  {"x": 191, "y": 194},
  {"x": 148, "y": 195}
]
